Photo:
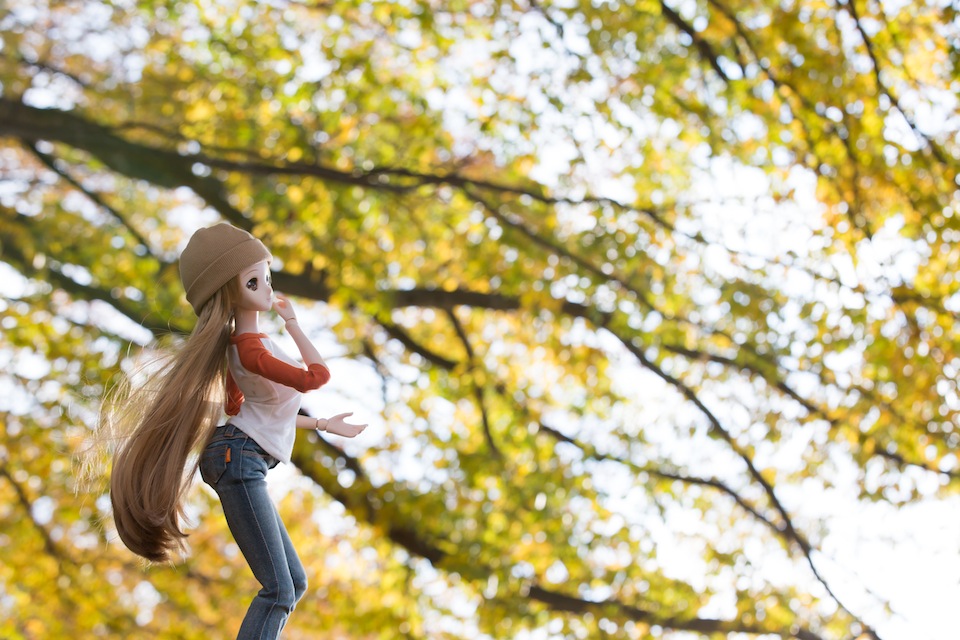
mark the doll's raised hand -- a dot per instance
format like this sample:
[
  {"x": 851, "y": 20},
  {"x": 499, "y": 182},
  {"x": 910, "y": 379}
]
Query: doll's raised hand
[
  {"x": 283, "y": 306},
  {"x": 338, "y": 426}
]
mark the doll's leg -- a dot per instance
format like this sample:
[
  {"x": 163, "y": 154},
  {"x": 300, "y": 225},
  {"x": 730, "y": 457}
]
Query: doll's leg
[
  {"x": 261, "y": 536},
  {"x": 297, "y": 573}
]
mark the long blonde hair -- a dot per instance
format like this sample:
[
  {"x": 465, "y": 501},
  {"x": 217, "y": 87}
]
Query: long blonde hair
[{"x": 170, "y": 417}]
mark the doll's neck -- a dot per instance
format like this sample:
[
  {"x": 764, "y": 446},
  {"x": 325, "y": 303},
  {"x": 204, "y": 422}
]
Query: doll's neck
[{"x": 246, "y": 321}]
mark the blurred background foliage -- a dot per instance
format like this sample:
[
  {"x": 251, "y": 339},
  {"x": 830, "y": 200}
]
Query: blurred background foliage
[{"x": 638, "y": 296}]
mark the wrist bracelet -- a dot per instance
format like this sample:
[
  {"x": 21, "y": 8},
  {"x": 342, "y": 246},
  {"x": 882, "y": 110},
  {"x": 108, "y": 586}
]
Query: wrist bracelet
[{"x": 317, "y": 427}]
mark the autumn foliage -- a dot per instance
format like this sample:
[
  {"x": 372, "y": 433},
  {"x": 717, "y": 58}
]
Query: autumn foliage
[{"x": 632, "y": 293}]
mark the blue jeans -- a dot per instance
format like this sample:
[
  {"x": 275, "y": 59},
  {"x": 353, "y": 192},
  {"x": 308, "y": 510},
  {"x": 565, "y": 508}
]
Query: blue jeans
[{"x": 236, "y": 467}]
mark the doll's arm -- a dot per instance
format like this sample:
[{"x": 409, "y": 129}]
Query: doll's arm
[
  {"x": 308, "y": 352},
  {"x": 234, "y": 396},
  {"x": 336, "y": 425},
  {"x": 256, "y": 358}
]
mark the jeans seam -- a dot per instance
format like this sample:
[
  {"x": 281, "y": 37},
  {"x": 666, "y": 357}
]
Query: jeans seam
[{"x": 263, "y": 540}]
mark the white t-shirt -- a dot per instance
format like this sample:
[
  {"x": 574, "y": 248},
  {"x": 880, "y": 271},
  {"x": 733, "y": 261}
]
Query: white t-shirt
[{"x": 264, "y": 387}]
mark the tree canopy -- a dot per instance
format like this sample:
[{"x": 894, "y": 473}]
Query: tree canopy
[{"x": 630, "y": 290}]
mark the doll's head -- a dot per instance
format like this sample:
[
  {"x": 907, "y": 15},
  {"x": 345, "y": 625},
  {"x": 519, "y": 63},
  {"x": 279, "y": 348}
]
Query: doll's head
[{"x": 213, "y": 257}]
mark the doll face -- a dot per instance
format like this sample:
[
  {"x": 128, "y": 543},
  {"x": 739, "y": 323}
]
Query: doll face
[{"x": 256, "y": 287}]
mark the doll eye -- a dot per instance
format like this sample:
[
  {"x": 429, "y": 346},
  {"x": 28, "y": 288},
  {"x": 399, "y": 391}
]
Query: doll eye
[
  {"x": 252, "y": 284},
  {"x": 269, "y": 278}
]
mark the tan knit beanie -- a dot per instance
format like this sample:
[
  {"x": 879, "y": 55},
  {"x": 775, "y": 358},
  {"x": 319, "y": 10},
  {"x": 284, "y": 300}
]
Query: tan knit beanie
[{"x": 213, "y": 256}]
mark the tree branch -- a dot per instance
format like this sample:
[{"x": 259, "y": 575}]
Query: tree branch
[
  {"x": 704, "y": 47},
  {"x": 477, "y": 388},
  {"x": 362, "y": 498},
  {"x": 50, "y": 162}
]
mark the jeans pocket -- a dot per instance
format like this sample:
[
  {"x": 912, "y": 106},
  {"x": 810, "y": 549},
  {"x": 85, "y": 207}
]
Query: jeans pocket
[{"x": 213, "y": 463}]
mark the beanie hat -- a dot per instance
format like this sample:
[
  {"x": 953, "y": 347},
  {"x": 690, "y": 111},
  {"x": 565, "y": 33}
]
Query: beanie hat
[{"x": 213, "y": 256}]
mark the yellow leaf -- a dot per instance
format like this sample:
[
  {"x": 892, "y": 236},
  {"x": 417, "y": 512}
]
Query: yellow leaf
[{"x": 295, "y": 194}]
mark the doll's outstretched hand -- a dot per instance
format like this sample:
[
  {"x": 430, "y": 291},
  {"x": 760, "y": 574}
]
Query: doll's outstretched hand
[
  {"x": 338, "y": 426},
  {"x": 284, "y": 307}
]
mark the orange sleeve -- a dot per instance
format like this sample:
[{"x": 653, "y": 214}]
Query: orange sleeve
[
  {"x": 256, "y": 358},
  {"x": 234, "y": 396}
]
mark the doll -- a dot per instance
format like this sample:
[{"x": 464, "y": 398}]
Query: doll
[{"x": 225, "y": 272}]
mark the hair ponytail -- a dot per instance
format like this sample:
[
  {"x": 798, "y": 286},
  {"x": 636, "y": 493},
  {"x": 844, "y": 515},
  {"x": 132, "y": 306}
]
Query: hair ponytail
[{"x": 170, "y": 415}]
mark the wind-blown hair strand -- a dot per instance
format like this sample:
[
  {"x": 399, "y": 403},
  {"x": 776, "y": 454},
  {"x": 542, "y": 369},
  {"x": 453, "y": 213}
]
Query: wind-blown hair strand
[{"x": 167, "y": 418}]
